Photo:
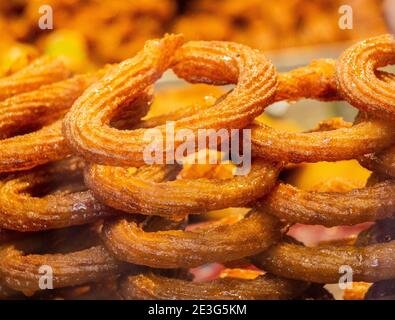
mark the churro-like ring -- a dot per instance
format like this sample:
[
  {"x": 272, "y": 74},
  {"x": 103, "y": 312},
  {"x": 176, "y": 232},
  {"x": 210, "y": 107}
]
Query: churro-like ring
[
  {"x": 146, "y": 190},
  {"x": 330, "y": 142},
  {"x": 69, "y": 257},
  {"x": 40, "y": 72},
  {"x": 28, "y": 111},
  {"x": 30, "y": 150},
  {"x": 47, "y": 144},
  {"x": 22, "y": 209},
  {"x": 21, "y": 271},
  {"x": 186, "y": 249},
  {"x": 317, "y": 81},
  {"x": 347, "y": 143},
  {"x": 40, "y": 107},
  {"x": 87, "y": 129},
  {"x": 151, "y": 286},
  {"x": 374, "y": 202},
  {"x": 331, "y": 208},
  {"x": 323, "y": 264},
  {"x": 359, "y": 81}
]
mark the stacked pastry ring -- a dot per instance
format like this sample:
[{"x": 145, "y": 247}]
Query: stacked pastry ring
[{"x": 77, "y": 194}]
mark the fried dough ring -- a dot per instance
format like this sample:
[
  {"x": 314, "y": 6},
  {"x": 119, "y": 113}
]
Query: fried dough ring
[
  {"x": 333, "y": 144},
  {"x": 374, "y": 202},
  {"x": 21, "y": 272},
  {"x": 321, "y": 264},
  {"x": 331, "y": 208},
  {"x": 146, "y": 191},
  {"x": 313, "y": 81},
  {"x": 21, "y": 211},
  {"x": 37, "y": 108},
  {"x": 42, "y": 106},
  {"x": 86, "y": 126},
  {"x": 188, "y": 249},
  {"x": 317, "y": 80},
  {"x": 40, "y": 72},
  {"x": 30, "y": 150},
  {"x": 361, "y": 84},
  {"x": 151, "y": 286},
  {"x": 48, "y": 144},
  {"x": 341, "y": 144}
]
